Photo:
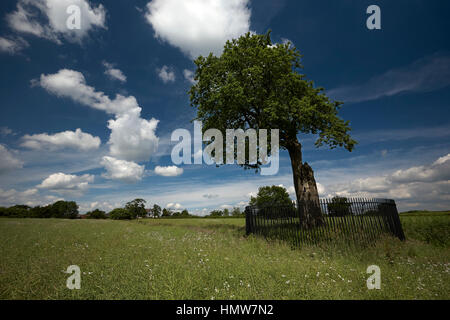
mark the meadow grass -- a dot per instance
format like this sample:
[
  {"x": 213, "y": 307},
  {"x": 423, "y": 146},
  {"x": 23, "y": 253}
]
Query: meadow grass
[{"x": 212, "y": 259}]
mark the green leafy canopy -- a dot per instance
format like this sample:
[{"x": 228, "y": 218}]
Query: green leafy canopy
[{"x": 256, "y": 84}]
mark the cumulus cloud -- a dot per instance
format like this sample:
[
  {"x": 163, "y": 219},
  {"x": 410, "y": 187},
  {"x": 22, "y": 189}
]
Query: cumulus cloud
[
  {"x": 72, "y": 84},
  {"x": 442, "y": 160},
  {"x": 175, "y": 206},
  {"x": 198, "y": 27},
  {"x": 424, "y": 75},
  {"x": 166, "y": 74},
  {"x": 8, "y": 160},
  {"x": 101, "y": 205},
  {"x": 13, "y": 197},
  {"x": 170, "y": 171},
  {"x": 113, "y": 72},
  {"x": 426, "y": 184},
  {"x": 68, "y": 139},
  {"x": 5, "y": 131},
  {"x": 189, "y": 76},
  {"x": 132, "y": 138},
  {"x": 12, "y": 45},
  {"x": 26, "y": 19},
  {"x": 67, "y": 183},
  {"x": 126, "y": 171}
]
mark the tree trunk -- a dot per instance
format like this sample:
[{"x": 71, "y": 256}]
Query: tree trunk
[{"x": 305, "y": 188}]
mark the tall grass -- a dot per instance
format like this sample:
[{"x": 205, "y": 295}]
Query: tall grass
[{"x": 212, "y": 259}]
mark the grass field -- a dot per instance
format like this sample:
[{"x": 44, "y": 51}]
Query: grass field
[{"x": 212, "y": 259}]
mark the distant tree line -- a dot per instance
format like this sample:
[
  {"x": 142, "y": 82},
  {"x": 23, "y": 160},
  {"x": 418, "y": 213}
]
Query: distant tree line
[
  {"x": 59, "y": 209},
  {"x": 132, "y": 210},
  {"x": 226, "y": 213}
]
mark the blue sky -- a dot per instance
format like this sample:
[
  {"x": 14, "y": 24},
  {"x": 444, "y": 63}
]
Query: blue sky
[{"x": 87, "y": 114}]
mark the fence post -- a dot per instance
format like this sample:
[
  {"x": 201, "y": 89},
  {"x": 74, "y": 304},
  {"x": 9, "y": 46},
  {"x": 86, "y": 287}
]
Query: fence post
[
  {"x": 248, "y": 228},
  {"x": 397, "y": 224}
]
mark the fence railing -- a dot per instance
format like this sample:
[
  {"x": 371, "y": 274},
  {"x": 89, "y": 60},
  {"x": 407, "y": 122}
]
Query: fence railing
[{"x": 336, "y": 219}]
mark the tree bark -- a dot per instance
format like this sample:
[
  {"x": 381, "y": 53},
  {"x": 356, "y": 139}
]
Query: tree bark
[{"x": 305, "y": 187}]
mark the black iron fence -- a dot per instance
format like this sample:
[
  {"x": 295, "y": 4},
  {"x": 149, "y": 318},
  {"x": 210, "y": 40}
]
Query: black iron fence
[{"x": 336, "y": 219}]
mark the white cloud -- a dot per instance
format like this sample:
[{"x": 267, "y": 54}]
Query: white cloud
[
  {"x": 291, "y": 190},
  {"x": 24, "y": 19},
  {"x": 12, "y": 45},
  {"x": 132, "y": 138},
  {"x": 13, "y": 197},
  {"x": 114, "y": 73},
  {"x": 189, "y": 76},
  {"x": 101, "y": 205},
  {"x": 126, "y": 171},
  {"x": 67, "y": 139},
  {"x": 166, "y": 74},
  {"x": 442, "y": 160},
  {"x": 5, "y": 131},
  {"x": 425, "y": 185},
  {"x": 67, "y": 183},
  {"x": 72, "y": 84},
  {"x": 252, "y": 194},
  {"x": 8, "y": 161},
  {"x": 170, "y": 171},
  {"x": 424, "y": 75},
  {"x": 198, "y": 27},
  {"x": 175, "y": 206}
]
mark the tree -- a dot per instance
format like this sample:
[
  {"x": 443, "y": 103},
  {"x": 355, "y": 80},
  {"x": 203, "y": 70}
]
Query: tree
[
  {"x": 339, "y": 207},
  {"x": 236, "y": 212},
  {"x": 120, "y": 214},
  {"x": 156, "y": 211},
  {"x": 136, "y": 208},
  {"x": 216, "y": 213},
  {"x": 96, "y": 214},
  {"x": 184, "y": 213},
  {"x": 42, "y": 212},
  {"x": 255, "y": 84},
  {"x": 166, "y": 212},
  {"x": 18, "y": 211},
  {"x": 271, "y": 196},
  {"x": 64, "y": 209},
  {"x": 176, "y": 214}
]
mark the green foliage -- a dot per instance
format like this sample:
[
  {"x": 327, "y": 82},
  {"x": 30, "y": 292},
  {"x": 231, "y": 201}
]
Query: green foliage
[
  {"x": 65, "y": 209},
  {"x": 236, "y": 212},
  {"x": 156, "y": 211},
  {"x": 216, "y": 213},
  {"x": 339, "y": 207},
  {"x": 271, "y": 196},
  {"x": 136, "y": 208},
  {"x": 60, "y": 209},
  {"x": 166, "y": 212},
  {"x": 120, "y": 214},
  {"x": 19, "y": 211},
  {"x": 96, "y": 214},
  {"x": 256, "y": 84}
]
